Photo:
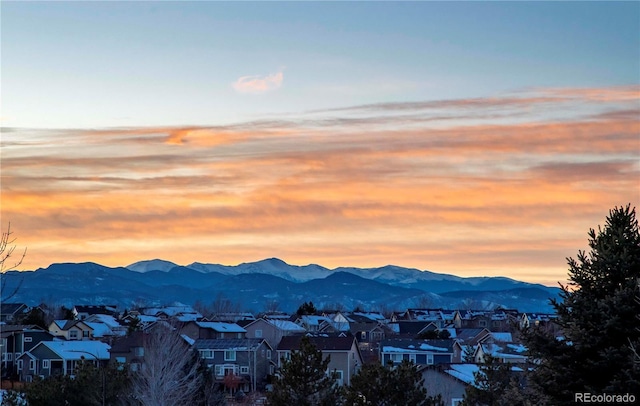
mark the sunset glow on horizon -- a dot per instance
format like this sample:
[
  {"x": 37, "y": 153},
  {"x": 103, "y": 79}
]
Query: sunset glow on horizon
[{"x": 177, "y": 137}]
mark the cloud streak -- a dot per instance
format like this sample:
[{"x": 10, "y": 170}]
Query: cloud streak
[
  {"x": 511, "y": 193},
  {"x": 258, "y": 84}
]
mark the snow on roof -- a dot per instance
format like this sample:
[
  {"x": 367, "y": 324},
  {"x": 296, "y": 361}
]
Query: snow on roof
[
  {"x": 147, "y": 319},
  {"x": 188, "y": 317},
  {"x": 104, "y": 318},
  {"x": 388, "y": 348},
  {"x": 464, "y": 372},
  {"x": 428, "y": 347},
  {"x": 517, "y": 347},
  {"x": 221, "y": 327},
  {"x": 99, "y": 329},
  {"x": 502, "y": 337},
  {"x": 452, "y": 332},
  {"x": 372, "y": 316},
  {"x": 188, "y": 339},
  {"x": 314, "y": 320},
  {"x": 287, "y": 325},
  {"x": 76, "y": 350}
]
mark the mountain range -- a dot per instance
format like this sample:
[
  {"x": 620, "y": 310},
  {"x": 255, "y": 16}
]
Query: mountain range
[{"x": 271, "y": 282}]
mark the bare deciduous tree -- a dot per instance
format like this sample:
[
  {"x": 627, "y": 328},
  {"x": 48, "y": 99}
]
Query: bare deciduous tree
[
  {"x": 7, "y": 249},
  {"x": 168, "y": 375}
]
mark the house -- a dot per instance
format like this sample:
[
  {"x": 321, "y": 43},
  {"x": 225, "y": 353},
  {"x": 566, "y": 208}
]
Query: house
[
  {"x": 13, "y": 312},
  {"x": 82, "y": 312},
  {"x": 105, "y": 325},
  {"x": 346, "y": 359},
  {"x": 238, "y": 363},
  {"x": 212, "y": 330},
  {"x": 129, "y": 350},
  {"x": 314, "y": 324},
  {"x": 176, "y": 311},
  {"x": 504, "y": 352},
  {"x": 449, "y": 381},
  {"x": 15, "y": 340},
  {"x": 60, "y": 357},
  {"x": 232, "y": 317},
  {"x": 495, "y": 320},
  {"x": 272, "y": 330},
  {"x": 420, "y": 352},
  {"x": 71, "y": 329},
  {"x": 440, "y": 317}
]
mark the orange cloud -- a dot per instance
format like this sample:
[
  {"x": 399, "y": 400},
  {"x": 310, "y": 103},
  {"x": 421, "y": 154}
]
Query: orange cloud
[{"x": 511, "y": 197}]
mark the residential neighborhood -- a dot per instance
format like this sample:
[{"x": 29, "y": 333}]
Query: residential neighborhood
[{"x": 242, "y": 352}]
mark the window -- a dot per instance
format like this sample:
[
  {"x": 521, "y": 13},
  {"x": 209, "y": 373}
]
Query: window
[
  {"x": 412, "y": 358},
  {"x": 208, "y": 354},
  {"x": 135, "y": 366},
  {"x": 73, "y": 335},
  {"x": 482, "y": 323},
  {"x": 9, "y": 356},
  {"x": 85, "y": 334},
  {"x": 338, "y": 375},
  {"x": 258, "y": 333},
  {"x": 4, "y": 356},
  {"x": 32, "y": 364},
  {"x": 19, "y": 364},
  {"x": 45, "y": 364},
  {"x": 272, "y": 369},
  {"x": 429, "y": 359},
  {"x": 395, "y": 357},
  {"x": 244, "y": 370},
  {"x": 286, "y": 355},
  {"x": 229, "y": 355},
  {"x": 28, "y": 339},
  {"x": 268, "y": 354},
  {"x": 226, "y": 369},
  {"x": 139, "y": 351}
]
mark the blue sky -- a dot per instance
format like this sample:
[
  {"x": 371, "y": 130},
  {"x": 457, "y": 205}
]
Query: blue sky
[
  {"x": 155, "y": 63},
  {"x": 475, "y": 138}
]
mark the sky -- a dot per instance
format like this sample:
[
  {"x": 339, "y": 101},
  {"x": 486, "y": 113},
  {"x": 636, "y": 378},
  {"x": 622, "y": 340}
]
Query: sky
[{"x": 469, "y": 138}]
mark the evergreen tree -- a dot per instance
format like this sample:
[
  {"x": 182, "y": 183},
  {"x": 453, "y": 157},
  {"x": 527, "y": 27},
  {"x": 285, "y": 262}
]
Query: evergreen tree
[
  {"x": 306, "y": 308},
  {"x": 35, "y": 317},
  {"x": 134, "y": 325},
  {"x": 491, "y": 382},
  {"x": 106, "y": 385},
  {"x": 599, "y": 317},
  {"x": 377, "y": 385},
  {"x": 303, "y": 380}
]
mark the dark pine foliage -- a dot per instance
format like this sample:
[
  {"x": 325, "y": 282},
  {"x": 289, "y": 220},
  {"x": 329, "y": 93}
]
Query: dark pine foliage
[
  {"x": 599, "y": 317},
  {"x": 377, "y": 385},
  {"x": 303, "y": 380}
]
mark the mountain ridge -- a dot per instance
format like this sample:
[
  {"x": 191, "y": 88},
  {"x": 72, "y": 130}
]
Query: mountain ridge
[{"x": 254, "y": 285}]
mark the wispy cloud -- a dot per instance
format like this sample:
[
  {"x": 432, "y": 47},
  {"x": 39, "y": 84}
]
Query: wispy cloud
[
  {"x": 466, "y": 191},
  {"x": 259, "y": 83}
]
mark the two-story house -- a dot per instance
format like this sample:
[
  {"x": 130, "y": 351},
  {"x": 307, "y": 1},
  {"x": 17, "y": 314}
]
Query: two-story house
[
  {"x": 13, "y": 312},
  {"x": 197, "y": 330},
  {"x": 243, "y": 363},
  {"x": 71, "y": 329},
  {"x": 15, "y": 340},
  {"x": 129, "y": 350},
  {"x": 60, "y": 357},
  {"x": 272, "y": 330},
  {"x": 420, "y": 352},
  {"x": 346, "y": 359}
]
